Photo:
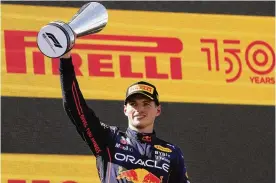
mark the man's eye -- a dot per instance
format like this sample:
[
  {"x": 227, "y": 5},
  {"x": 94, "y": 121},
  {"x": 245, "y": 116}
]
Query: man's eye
[
  {"x": 146, "y": 103},
  {"x": 132, "y": 104}
]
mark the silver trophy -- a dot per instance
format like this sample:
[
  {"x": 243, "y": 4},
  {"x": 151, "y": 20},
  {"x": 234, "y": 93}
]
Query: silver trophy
[{"x": 57, "y": 38}]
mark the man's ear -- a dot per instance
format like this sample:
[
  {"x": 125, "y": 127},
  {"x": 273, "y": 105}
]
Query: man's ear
[
  {"x": 158, "y": 110},
  {"x": 125, "y": 110}
]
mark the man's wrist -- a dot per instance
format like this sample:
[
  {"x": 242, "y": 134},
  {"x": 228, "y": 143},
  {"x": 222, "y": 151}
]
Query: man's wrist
[{"x": 66, "y": 55}]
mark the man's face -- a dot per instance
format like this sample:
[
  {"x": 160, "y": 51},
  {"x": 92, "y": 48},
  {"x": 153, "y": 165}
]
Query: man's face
[{"x": 141, "y": 111}]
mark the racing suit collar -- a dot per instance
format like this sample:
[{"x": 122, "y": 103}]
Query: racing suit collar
[{"x": 142, "y": 137}]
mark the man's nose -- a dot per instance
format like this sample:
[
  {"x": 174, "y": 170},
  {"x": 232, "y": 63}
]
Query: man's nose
[{"x": 140, "y": 108}]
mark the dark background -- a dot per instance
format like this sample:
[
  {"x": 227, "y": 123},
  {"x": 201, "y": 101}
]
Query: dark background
[
  {"x": 221, "y": 143},
  {"x": 263, "y": 8}
]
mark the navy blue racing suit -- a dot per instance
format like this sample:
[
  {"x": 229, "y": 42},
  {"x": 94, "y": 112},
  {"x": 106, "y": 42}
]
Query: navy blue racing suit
[{"x": 121, "y": 157}]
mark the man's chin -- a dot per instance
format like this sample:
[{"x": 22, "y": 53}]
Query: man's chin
[{"x": 138, "y": 124}]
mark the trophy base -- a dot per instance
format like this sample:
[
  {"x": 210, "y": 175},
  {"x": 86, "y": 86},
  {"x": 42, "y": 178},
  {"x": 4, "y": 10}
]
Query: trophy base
[{"x": 55, "y": 39}]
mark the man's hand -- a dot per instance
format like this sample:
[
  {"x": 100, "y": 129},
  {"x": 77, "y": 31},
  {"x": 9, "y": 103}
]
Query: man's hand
[{"x": 66, "y": 55}]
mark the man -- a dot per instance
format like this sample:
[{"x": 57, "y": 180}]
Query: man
[{"x": 137, "y": 155}]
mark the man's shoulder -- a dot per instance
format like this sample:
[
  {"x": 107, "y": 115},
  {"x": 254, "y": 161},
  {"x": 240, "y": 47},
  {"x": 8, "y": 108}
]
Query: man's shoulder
[{"x": 166, "y": 146}]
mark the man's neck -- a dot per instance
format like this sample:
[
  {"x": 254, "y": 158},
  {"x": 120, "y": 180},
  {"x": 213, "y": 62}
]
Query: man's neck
[{"x": 148, "y": 129}]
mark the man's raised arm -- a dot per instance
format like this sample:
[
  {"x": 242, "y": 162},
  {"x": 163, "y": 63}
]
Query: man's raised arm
[{"x": 87, "y": 123}]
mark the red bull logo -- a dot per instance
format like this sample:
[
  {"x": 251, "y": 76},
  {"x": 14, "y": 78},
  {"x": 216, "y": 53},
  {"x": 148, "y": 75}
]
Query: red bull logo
[{"x": 139, "y": 175}]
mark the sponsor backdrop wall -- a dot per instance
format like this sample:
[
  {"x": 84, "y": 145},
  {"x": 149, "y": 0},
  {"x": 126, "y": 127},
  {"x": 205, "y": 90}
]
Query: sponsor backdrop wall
[{"x": 214, "y": 68}]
